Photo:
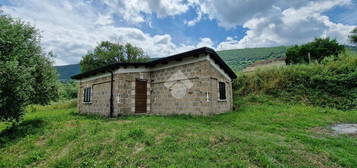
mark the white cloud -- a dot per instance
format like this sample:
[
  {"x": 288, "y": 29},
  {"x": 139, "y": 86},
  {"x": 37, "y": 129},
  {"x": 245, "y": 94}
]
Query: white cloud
[
  {"x": 205, "y": 42},
  {"x": 71, "y": 28},
  {"x": 232, "y": 13},
  {"x": 104, "y": 20},
  {"x": 67, "y": 28},
  {"x": 134, "y": 11},
  {"x": 291, "y": 26}
]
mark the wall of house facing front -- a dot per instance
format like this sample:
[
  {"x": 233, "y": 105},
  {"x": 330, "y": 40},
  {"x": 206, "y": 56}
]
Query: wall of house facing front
[{"x": 189, "y": 86}]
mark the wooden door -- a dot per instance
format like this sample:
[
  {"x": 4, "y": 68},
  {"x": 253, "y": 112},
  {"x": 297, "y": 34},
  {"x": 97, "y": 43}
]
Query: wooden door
[{"x": 140, "y": 96}]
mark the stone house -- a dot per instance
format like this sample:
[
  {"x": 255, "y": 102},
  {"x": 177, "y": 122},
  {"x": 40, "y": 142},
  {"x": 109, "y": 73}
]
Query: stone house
[{"x": 196, "y": 82}]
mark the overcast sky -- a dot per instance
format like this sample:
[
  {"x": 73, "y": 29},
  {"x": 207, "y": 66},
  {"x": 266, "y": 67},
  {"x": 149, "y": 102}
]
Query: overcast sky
[{"x": 72, "y": 27}]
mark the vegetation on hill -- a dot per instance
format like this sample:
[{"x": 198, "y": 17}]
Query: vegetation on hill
[
  {"x": 238, "y": 59},
  {"x": 316, "y": 50},
  {"x": 353, "y": 36},
  {"x": 262, "y": 133},
  {"x": 66, "y": 71},
  {"x": 333, "y": 83}
]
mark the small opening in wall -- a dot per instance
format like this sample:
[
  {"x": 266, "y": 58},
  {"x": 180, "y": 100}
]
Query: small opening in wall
[
  {"x": 222, "y": 91},
  {"x": 87, "y": 96}
]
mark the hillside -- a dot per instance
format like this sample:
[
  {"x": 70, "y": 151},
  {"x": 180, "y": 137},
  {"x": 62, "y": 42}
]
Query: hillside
[
  {"x": 332, "y": 83},
  {"x": 237, "y": 59},
  {"x": 66, "y": 71}
]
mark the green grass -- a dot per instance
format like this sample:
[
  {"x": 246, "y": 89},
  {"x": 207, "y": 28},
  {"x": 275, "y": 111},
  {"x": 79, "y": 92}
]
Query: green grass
[
  {"x": 260, "y": 134},
  {"x": 333, "y": 83}
]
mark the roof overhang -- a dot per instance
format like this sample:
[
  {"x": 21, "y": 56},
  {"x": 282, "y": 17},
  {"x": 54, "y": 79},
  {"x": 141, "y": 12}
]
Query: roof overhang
[{"x": 177, "y": 57}]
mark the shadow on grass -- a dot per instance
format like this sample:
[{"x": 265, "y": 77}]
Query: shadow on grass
[
  {"x": 187, "y": 117},
  {"x": 14, "y": 133},
  {"x": 92, "y": 116}
]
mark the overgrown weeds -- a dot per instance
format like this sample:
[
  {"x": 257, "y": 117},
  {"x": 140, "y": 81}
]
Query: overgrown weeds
[{"x": 333, "y": 83}]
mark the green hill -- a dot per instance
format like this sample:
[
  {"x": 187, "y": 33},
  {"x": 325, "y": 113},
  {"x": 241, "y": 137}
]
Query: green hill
[
  {"x": 330, "y": 84},
  {"x": 66, "y": 71},
  {"x": 237, "y": 59}
]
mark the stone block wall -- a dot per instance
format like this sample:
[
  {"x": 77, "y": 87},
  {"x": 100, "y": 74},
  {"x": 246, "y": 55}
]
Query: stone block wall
[
  {"x": 200, "y": 99},
  {"x": 100, "y": 99},
  {"x": 125, "y": 96},
  {"x": 212, "y": 77},
  {"x": 184, "y": 89}
]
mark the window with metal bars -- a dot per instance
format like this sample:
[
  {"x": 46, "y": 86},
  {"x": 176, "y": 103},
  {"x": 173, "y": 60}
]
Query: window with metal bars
[
  {"x": 87, "y": 96},
  {"x": 222, "y": 91}
]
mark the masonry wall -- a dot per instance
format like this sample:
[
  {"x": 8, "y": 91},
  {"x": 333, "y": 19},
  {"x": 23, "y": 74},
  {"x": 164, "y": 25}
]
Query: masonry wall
[
  {"x": 184, "y": 89},
  {"x": 100, "y": 103},
  {"x": 200, "y": 99},
  {"x": 123, "y": 94},
  {"x": 165, "y": 100},
  {"x": 212, "y": 77}
]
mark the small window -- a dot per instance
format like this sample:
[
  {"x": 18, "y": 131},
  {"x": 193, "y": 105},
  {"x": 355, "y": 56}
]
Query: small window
[
  {"x": 87, "y": 96},
  {"x": 222, "y": 91}
]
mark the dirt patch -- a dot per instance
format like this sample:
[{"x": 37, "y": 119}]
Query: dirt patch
[
  {"x": 350, "y": 129},
  {"x": 337, "y": 129}
]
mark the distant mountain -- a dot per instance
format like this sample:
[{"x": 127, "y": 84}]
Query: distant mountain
[
  {"x": 237, "y": 59},
  {"x": 66, "y": 71}
]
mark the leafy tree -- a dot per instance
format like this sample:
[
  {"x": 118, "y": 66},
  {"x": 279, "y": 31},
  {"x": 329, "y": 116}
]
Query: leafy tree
[
  {"x": 108, "y": 53},
  {"x": 26, "y": 73},
  {"x": 45, "y": 80},
  {"x": 313, "y": 51},
  {"x": 353, "y": 36}
]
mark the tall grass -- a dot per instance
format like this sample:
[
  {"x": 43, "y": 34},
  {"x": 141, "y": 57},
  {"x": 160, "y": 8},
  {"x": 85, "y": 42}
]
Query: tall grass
[{"x": 333, "y": 83}]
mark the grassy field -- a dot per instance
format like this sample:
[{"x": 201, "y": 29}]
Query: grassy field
[{"x": 260, "y": 134}]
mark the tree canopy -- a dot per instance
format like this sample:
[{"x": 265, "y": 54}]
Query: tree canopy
[
  {"x": 353, "y": 36},
  {"x": 26, "y": 73},
  {"x": 313, "y": 51},
  {"x": 108, "y": 53}
]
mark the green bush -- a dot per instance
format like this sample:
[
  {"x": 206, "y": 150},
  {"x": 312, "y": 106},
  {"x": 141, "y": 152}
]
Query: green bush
[
  {"x": 68, "y": 90},
  {"x": 313, "y": 51},
  {"x": 333, "y": 83}
]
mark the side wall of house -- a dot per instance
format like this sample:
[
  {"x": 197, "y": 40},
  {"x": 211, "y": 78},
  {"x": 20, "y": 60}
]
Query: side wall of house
[
  {"x": 195, "y": 92},
  {"x": 100, "y": 98},
  {"x": 212, "y": 76},
  {"x": 176, "y": 90},
  {"x": 123, "y": 93}
]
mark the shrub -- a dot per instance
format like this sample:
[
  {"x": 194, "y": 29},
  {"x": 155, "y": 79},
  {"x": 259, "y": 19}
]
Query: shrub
[
  {"x": 333, "y": 83},
  {"x": 313, "y": 51},
  {"x": 68, "y": 90}
]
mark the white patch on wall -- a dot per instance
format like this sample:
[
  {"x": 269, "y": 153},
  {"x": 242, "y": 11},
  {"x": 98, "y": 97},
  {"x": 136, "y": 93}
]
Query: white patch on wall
[
  {"x": 207, "y": 97},
  {"x": 178, "y": 83}
]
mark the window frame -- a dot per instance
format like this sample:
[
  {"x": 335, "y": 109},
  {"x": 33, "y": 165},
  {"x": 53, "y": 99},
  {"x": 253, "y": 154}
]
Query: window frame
[
  {"x": 85, "y": 95},
  {"x": 224, "y": 98}
]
